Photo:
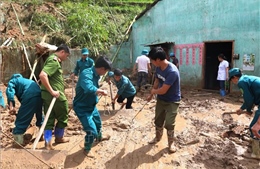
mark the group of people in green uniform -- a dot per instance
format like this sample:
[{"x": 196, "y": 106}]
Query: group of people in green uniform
[{"x": 166, "y": 88}]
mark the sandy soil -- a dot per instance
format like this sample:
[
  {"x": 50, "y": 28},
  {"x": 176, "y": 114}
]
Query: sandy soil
[{"x": 199, "y": 137}]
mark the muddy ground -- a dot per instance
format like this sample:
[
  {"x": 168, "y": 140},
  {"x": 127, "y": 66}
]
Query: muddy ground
[{"x": 200, "y": 127}]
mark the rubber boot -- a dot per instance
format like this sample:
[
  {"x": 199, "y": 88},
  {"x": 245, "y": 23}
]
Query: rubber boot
[
  {"x": 102, "y": 137},
  {"x": 18, "y": 139},
  {"x": 47, "y": 138},
  {"x": 171, "y": 146},
  {"x": 255, "y": 149},
  {"x": 59, "y": 133},
  {"x": 158, "y": 135}
]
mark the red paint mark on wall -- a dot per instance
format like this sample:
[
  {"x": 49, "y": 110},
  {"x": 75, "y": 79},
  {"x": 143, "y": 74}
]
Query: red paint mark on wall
[
  {"x": 180, "y": 56},
  {"x": 187, "y": 56},
  {"x": 193, "y": 56},
  {"x": 175, "y": 51},
  {"x": 193, "y": 46},
  {"x": 200, "y": 57}
]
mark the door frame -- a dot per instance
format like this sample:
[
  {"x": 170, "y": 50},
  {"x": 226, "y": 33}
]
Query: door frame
[{"x": 204, "y": 59}]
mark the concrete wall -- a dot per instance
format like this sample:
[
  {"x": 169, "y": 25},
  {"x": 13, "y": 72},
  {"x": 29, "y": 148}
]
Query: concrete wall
[
  {"x": 13, "y": 60},
  {"x": 124, "y": 58},
  {"x": 191, "y": 22}
]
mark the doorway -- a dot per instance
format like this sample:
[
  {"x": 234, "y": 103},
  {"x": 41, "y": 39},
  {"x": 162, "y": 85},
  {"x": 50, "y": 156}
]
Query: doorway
[{"x": 212, "y": 50}]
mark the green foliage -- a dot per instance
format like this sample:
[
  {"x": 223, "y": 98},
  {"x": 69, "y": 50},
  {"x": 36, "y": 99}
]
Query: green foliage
[
  {"x": 45, "y": 22},
  {"x": 28, "y": 2},
  {"x": 88, "y": 25},
  {"x": 95, "y": 24}
]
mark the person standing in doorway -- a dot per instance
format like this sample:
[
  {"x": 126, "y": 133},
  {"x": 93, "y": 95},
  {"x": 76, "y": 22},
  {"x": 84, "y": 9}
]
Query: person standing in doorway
[
  {"x": 52, "y": 85},
  {"x": 167, "y": 89},
  {"x": 143, "y": 65},
  {"x": 222, "y": 74}
]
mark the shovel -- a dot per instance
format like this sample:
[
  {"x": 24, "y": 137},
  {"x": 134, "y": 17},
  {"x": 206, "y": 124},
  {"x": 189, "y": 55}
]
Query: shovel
[
  {"x": 50, "y": 158},
  {"x": 18, "y": 158},
  {"x": 233, "y": 112},
  {"x": 111, "y": 95},
  {"x": 227, "y": 118}
]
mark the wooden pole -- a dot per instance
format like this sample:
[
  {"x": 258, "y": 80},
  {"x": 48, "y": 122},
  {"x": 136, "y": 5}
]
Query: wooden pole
[
  {"x": 5, "y": 42},
  {"x": 18, "y": 20},
  {"x": 9, "y": 43},
  {"x": 26, "y": 56},
  {"x": 111, "y": 95},
  {"x": 44, "y": 123},
  {"x": 123, "y": 40},
  {"x": 33, "y": 69},
  {"x": 72, "y": 89},
  {"x": 119, "y": 47}
]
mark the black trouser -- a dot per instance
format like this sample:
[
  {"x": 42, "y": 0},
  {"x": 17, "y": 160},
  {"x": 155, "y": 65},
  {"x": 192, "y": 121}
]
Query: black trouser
[
  {"x": 142, "y": 79},
  {"x": 128, "y": 102}
]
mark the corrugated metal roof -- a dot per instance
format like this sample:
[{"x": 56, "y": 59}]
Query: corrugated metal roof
[{"x": 159, "y": 43}]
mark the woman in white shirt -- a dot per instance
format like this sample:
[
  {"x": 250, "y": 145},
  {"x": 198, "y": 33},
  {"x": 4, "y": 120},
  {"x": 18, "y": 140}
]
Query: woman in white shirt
[{"x": 222, "y": 74}]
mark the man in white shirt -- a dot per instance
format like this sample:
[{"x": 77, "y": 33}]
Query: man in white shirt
[{"x": 143, "y": 65}]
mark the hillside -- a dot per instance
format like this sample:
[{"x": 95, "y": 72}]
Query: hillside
[{"x": 96, "y": 24}]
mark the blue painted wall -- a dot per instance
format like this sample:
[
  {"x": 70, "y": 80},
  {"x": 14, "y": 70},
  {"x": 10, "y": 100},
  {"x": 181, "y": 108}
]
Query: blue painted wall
[
  {"x": 123, "y": 59},
  {"x": 188, "y": 22}
]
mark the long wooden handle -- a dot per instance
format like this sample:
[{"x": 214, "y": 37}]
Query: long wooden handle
[
  {"x": 44, "y": 123},
  {"x": 33, "y": 69},
  {"x": 72, "y": 88},
  {"x": 232, "y": 112},
  {"x": 111, "y": 95},
  {"x": 27, "y": 58}
]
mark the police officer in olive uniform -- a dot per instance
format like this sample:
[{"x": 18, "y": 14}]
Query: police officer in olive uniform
[{"x": 52, "y": 85}]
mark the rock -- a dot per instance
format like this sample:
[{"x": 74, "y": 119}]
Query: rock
[
  {"x": 69, "y": 133},
  {"x": 117, "y": 129},
  {"x": 123, "y": 124},
  {"x": 77, "y": 132}
]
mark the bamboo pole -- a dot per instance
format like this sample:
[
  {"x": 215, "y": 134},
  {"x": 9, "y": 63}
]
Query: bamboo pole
[
  {"x": 21, "y": 28},
  {"x": 119, "y": 47},
  {"x": 9, "y": 43},
  {"x": 5, "y": 42},
  {"x": 111, "y": 95},
  {"x": 33, "y": 69},
  {"x": 26, "y": 56},
  {"x": 123, "y": 39}
]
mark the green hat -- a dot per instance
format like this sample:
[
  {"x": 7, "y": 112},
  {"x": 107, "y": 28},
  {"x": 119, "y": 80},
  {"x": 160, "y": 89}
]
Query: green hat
[
  {"x": 233, "y": 72},
  {"x": 145, "y": 52},
  {"x": 84, "y": 51}
]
